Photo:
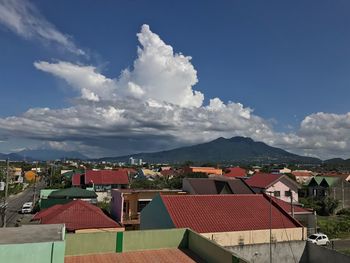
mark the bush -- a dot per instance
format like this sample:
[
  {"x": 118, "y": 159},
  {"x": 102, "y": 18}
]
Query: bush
[
  {"x": 344, "y": 212},
  {"x": 323, "y": 206}
]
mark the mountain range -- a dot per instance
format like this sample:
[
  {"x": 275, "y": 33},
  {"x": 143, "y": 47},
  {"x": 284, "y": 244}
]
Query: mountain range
[
  {"x": 42, "y": 155},
  {"x": 221, "y": 150}
]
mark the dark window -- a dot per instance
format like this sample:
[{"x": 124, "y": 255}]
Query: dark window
[
  {"x": 287, "y": 193},
  {"x": 141, "y": 205},
  {"x": 277, "y": 193}
]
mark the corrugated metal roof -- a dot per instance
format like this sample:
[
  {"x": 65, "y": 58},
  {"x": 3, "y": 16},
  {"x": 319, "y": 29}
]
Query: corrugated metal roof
[
  {"x": 76, "y": 215},
  {"x": 106, "y": 177},
  {"x": 263, "y": 180},
  {"x": 226, "y": 213}
]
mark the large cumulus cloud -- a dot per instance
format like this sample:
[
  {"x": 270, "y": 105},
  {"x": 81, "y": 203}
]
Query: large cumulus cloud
[{"x": 154, "y": 106}]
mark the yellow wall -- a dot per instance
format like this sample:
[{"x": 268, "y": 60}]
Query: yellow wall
[{"x": 256, "y": 236}]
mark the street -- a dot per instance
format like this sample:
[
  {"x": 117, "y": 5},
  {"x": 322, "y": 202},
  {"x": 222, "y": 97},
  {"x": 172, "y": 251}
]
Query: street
[{"x": 15, "y": 203}]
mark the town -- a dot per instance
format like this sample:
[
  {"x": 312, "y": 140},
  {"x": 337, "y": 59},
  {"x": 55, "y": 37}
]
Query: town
[
  {"x": 182, "y": 213},
  {"x": 174, "y": 131}
]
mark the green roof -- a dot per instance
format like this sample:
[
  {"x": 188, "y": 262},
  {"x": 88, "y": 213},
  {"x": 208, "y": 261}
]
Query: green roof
[
  {"x": 330, "y": 181},
  {"x": 73, "y": 192},
  {"x": 44, "y": 193}
]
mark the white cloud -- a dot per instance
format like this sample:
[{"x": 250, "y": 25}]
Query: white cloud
[
  {"x": 153, "y": 106},
  {"x": 158, "y": 73},
  {"x": 24, "y": 19}
]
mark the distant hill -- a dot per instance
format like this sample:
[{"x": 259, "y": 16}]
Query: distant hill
[
  {"x": 337, "y": 163},
  {"x": 49, "y": 154},
  {"x": 221, "y": 150},
  {"x": 11, "y": 156}
]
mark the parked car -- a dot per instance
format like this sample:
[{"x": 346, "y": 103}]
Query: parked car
[
  {"x": 319, "y": 239},
  {"x": 27, "y": 207}
]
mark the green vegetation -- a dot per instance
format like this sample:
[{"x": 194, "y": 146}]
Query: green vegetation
[
  {"x": 323, "y": 206},
  {"x": 13, "y": 189},
  {"x": 335, "y": 226},
  {"x": 163, "y": 182}
]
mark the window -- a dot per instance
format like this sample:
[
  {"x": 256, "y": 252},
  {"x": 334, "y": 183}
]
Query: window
[
  {"x": 287, "y": 193},
  {"x": 277, "y": 193},
  {"x": 142, "y": 204}
]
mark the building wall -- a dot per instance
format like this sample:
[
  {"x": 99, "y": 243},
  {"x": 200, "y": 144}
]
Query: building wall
[
  {"x": 256, "y": 236},
  {"x": 117, "y": 205},
  {"x": 210, "y": 251},
  {"x": 286, "y": 252},
  {"x": 314, "y": 253},
  {"x": 154, "y": 239},
  {"x": 155, "y": 216},
  {"x": 90, "y": 243},
  {"x": 279, "y": 186},
  {"x": 43, "y": 252}
]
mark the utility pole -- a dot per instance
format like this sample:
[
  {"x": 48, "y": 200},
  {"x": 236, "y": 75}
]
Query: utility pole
[
  {"x": 36, "y": 174},
  {"x": 342, "y": 194},
  {"x": 270, "y": 225},
  {"x": 6, "y": 192}
]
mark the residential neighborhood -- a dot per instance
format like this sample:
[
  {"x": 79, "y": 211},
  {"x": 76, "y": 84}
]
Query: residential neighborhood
[
  {"x": 174, "y": 131},
  {"x": 237, "y": 209}
]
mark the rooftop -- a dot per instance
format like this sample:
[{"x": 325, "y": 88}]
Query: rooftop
[
  {"x": 106, "y": 177},
  {"x": 263, "y": 180},
  {"x": 170, "y": 255},
  {"x": 31, "y": 234},
  {"x": 235, "y": 172},
  {"x": 226, "y": 213},
  {"x": 76, "y": 215}
]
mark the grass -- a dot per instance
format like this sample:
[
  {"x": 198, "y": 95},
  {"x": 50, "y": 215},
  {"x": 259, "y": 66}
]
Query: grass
[{"x": 345, "y": 251}]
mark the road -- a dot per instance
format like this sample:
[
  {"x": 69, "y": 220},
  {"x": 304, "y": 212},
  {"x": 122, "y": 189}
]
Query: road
[{"x": 16, "y": 202}]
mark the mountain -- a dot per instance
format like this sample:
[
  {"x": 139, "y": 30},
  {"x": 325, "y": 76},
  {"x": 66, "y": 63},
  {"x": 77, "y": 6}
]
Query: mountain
[
  {"x": 221, "y": 150},
  {"x": 49, "y": 154},
  {"x": 11, "y": 156},
  {"x": 337, "y": 163}
]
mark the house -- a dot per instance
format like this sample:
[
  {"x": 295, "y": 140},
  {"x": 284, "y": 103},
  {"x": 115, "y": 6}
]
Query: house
[
  {"x": 63, "y": 196},
  {"x": 78, "y": 217},
  {"x": 205, "y": 170},
  {"x": 235, "y": 172},
  {"x": 332, "y": 186},
  {"x": 216, "y": 185},
  {"x": 126, "y": 204},
  {"x": 227, "y": 219},
  {"x": 281, "y": 185},
  {"x": 102, "y": 181},
  {"x": 303, "y": 176}
]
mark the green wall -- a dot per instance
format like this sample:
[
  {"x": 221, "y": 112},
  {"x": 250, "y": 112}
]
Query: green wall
[
  {"x": 46, "y": 203},
  {"x": 154, "y": 239},
  {"x": 155, "y": 215},
  {"x": 44, "y": 252},
  {"x": 90, "y": 243}
]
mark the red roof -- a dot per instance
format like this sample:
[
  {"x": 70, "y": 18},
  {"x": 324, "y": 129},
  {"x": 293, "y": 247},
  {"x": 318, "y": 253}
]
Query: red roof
[
  {"x": 76, "y": 215},
  {"x": 287, "y": 207},
  {"x": 106, "y": 177},
  {"x": 76, "y": 179},
  {"x": 226, "y": 213},
  {"x": 235, "y": 172},
  {"x": 263, "y": 180}
]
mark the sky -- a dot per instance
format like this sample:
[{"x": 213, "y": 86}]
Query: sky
[{"x": 139, "y": 76}]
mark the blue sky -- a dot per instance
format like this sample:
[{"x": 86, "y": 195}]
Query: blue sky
[{"x": 285, "y": 62}]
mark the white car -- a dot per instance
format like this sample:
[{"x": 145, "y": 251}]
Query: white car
[
  {"x": 27, "y": 207},
  {"x": 319, "y": 239}
]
